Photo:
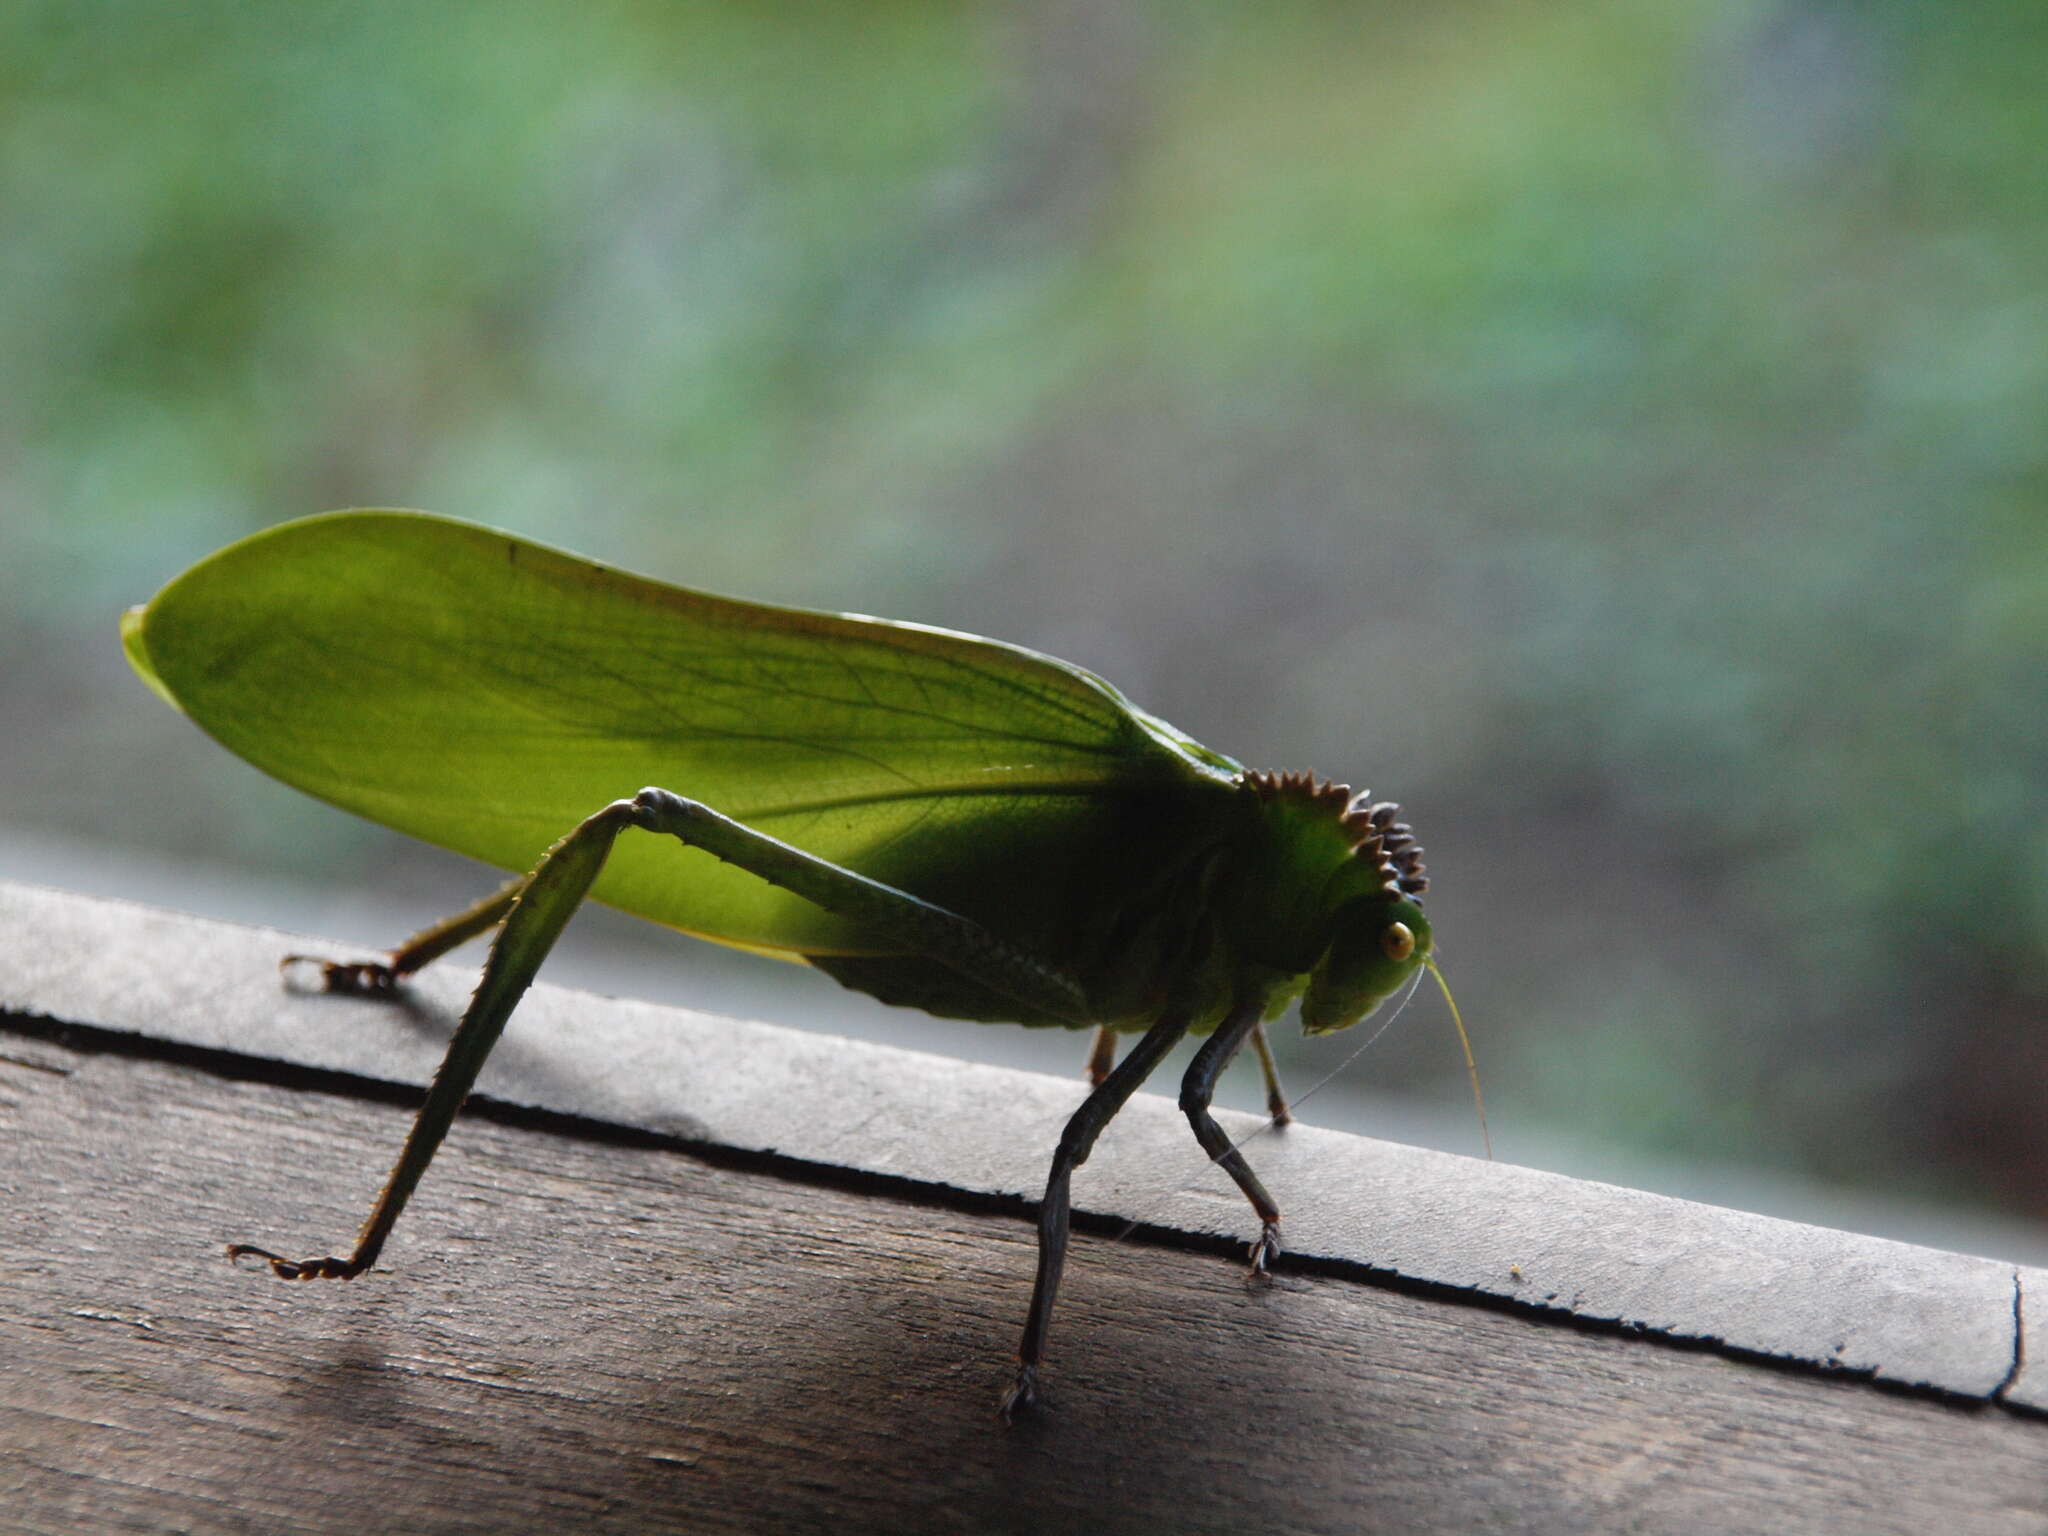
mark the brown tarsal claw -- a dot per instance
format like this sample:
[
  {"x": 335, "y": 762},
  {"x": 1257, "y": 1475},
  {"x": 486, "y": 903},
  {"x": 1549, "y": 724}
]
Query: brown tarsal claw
[
  {"x": 1023, "y": 1394},
  {"x": 1266, "y": 1250},
  {"x": 346, "y": 978},
  {"x": 294, "y": 1269}
]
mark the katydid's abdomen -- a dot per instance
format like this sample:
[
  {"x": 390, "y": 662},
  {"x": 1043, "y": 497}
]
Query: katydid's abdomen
[{"x": 1120, "y": 900}]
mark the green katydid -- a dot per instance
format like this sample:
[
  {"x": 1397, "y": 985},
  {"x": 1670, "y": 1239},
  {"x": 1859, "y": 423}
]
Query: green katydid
[{"x": 936, "y": 819}]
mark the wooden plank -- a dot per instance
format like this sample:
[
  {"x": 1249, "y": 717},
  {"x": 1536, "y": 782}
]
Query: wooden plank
[
  {"x": 578, "y": 1333},
  {"x": 1835, "y": 1300}
]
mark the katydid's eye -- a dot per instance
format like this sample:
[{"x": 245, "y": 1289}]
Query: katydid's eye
[{"x": 1398, "y": 940}]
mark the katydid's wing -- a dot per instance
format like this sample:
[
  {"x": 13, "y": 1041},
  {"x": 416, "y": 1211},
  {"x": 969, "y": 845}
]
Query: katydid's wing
[{"x": 486, "y": 694}]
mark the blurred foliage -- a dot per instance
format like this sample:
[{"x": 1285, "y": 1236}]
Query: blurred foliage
[{"x": 1619, "y": 429}]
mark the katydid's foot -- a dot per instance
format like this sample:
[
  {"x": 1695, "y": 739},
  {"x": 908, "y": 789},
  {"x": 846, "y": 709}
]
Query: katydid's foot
[
  {"x": 1023, "y": 1394},
  {"x": 346, "y": 978},
  {"x": 290, "y": 1269},
  {"x": 1278, "y": 1112},
  {"x": 1265, "y": 1251}
]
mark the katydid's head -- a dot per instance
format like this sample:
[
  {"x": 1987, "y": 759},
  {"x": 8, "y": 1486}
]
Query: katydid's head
[
  {"x": 1379, "y": 938},
  {"x": 1379, "y": 945},
  {"x": 1349, "y": 881}
]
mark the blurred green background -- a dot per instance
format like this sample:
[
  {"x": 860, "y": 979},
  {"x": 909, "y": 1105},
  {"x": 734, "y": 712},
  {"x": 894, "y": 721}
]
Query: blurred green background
[{"x": 1618, "y": 431}]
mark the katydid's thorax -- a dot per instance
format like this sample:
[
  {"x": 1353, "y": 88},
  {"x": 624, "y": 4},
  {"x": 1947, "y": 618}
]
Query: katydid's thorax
[{"x": 1293, "y": 860}]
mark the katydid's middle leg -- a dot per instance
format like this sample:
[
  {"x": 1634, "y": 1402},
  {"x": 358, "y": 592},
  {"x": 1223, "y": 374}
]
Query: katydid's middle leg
[{"x": 1096, "y": 1111}]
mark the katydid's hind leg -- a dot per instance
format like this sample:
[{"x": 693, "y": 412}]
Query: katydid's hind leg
[
  {"x": 1196, "y": 1091},
  {"x": 1276, "y": 1096},
  {"x": 532, "y": 913},
  {"x": 945, "y": 937},
  {"x": 546, "y": 900},
  {"x": 380, "y": 978},
  {"x": 1101, "y": 1056},
  {"x": 1054, "y": 1213}
]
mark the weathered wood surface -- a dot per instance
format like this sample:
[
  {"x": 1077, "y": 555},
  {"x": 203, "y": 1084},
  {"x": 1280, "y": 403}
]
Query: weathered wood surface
[
  {"x": 621, "y": 1337},
  {"x": 1908, "y": 1315},
  {"x": 577, "y": 1329}
]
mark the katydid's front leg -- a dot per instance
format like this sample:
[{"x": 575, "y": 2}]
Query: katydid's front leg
[
  {"x": 1197, "y": 1089},
  {"x": 539, "y": 907}
]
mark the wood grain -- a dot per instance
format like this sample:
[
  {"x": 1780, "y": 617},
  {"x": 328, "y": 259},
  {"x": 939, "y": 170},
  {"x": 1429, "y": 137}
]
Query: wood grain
[{"x": 573, "y": 1333}]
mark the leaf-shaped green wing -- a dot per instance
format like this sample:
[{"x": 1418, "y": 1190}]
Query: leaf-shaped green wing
[{"x": 485, "y": 694}]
